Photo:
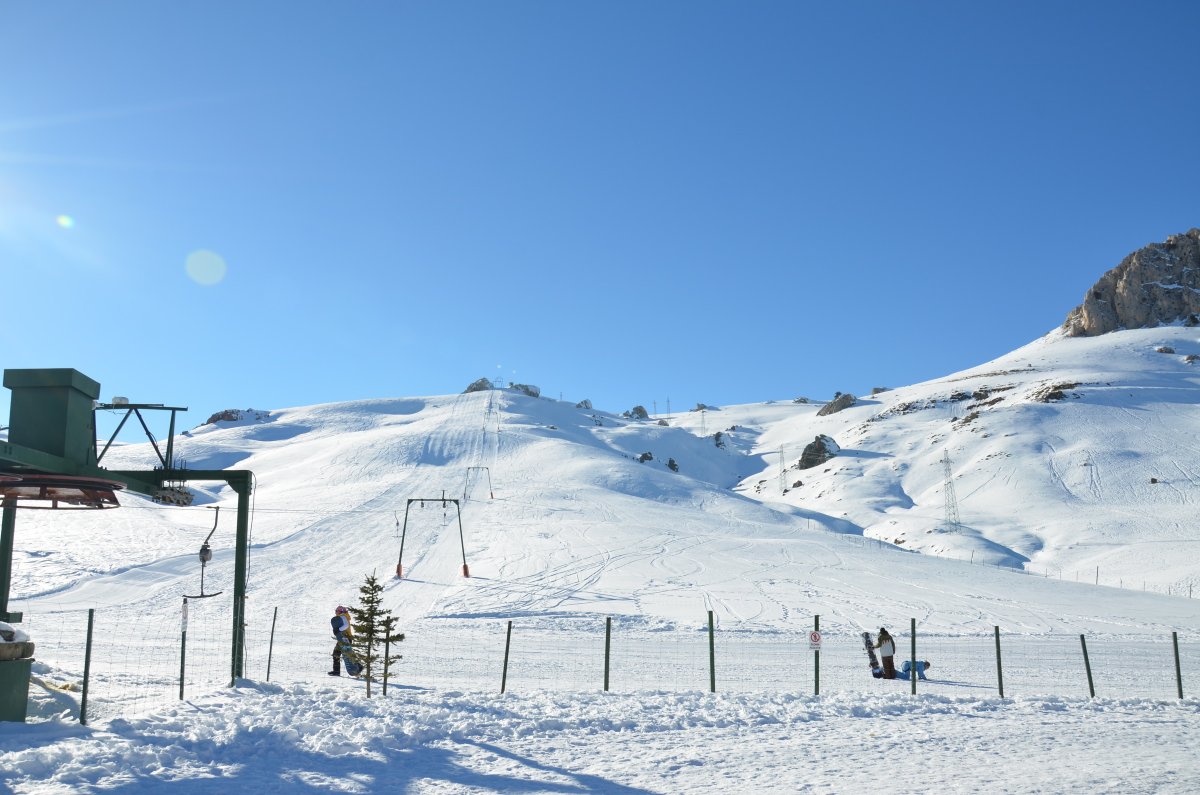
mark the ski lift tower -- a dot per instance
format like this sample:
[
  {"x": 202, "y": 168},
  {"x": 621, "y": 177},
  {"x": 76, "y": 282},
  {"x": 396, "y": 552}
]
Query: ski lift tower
[{"x": 50, "y": 461}]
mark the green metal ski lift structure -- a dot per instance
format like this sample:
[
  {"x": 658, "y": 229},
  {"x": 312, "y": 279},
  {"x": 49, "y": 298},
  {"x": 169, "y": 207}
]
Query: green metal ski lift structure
[
  {"x": 50, "y": 460},
  {"x": 444, "y": 500}
]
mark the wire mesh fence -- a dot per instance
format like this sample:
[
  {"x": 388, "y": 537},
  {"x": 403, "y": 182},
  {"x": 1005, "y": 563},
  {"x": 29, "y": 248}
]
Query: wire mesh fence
[
  {"x": 139, "y": 662},
  {"x": 136, "y": 661}
]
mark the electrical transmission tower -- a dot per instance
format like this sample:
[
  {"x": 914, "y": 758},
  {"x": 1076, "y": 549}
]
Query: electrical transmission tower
[{"x": 953, "y": 525}]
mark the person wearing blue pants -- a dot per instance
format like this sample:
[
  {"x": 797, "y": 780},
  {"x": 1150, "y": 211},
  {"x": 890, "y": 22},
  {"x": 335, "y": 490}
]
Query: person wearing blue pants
[{"x": 905, "y": 671}]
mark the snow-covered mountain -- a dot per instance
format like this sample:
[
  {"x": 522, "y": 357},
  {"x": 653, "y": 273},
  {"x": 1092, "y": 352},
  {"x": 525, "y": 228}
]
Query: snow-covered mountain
[{"x": 1071, "y": 458}]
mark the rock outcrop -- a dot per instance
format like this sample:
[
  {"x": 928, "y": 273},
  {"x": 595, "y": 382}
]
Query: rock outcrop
[
  {"x": 841, "y": 401},
  {"x": 637, "y": 413},
  {"x": 480, "y": 385},
  {"x": 1154, "y": 285},
  {"x": 238, "y": 415},
  {"x": 526, "y": 389},
  {"x": 818, "y": 452}
]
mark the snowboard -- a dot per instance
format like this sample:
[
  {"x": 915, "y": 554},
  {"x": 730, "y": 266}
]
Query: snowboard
[
  {"x": 876, "y": 668},
  {"x": 353, "y": 666}
]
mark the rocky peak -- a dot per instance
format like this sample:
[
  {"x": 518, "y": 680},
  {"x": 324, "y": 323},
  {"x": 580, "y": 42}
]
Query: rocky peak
[{"x": 1154, "y": 285}]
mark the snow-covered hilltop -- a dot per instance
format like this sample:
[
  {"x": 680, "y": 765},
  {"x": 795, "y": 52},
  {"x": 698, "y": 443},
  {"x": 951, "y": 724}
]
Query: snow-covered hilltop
[
  {"x": 1072, "y": 458},
  {"x": 1066, "y": 455}
]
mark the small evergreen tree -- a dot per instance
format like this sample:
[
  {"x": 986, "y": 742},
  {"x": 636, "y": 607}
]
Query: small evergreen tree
[{"x": 373, "y": 625}]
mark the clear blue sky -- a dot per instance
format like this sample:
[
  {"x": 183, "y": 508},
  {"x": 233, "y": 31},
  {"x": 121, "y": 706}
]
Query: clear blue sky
[{"x": 703, "y": 201}]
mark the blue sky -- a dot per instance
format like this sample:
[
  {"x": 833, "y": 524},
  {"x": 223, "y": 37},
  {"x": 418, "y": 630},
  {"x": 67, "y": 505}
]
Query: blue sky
[{"x": 628, "y": 202}]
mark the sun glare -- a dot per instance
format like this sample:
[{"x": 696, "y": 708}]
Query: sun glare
[
  {"x": 206, "y": 267},
  {"x": 65, "y": 221}
]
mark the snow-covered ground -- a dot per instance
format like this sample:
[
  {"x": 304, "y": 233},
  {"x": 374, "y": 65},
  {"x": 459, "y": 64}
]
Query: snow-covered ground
[
  {"x": 301, "y": 738},
  {"x": 564, "y": 527}
]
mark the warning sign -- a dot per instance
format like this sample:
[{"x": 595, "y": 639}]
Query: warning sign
[{"x": 814, "y": 640}]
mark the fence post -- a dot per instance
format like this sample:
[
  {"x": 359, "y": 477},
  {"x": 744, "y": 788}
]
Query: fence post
[
  {"x": 912, "y": 675},
  {"x": 271, "y": 646},
  {"x": 1178, "y": 671},
  {"x": 507, "y": 643},
  {"x": 816, "y": 659},
  {"x": 87, "y": 669},
  {"x": 712, "y": 655},
  {"x": 1088, "y": 666},
  {"x": 999, "y": 666},
  {"x": 387, "y": 653},
  {"x": 183, "y": 648},
  {"x": 607, "y": 648}
]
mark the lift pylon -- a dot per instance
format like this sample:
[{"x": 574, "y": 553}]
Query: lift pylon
[{"x": 404, "y": 531}]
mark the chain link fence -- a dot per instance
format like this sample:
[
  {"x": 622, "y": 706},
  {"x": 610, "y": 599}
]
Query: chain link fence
[{"x": 137, "y": 663}]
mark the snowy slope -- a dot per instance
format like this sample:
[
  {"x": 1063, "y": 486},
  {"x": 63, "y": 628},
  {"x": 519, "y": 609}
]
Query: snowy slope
[
  {"x": 1105, "y": 477},
  {"x": 580, "y": 525},
  {"x": 571, "y": 522}
]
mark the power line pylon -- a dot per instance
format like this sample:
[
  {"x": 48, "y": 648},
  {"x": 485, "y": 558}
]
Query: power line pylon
[{"x": 953, "y": 524}]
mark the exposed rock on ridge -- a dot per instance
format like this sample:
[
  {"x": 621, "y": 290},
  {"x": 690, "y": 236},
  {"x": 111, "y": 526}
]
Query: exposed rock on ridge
[
  {"x": 1154, "y": 285},
  {"x": 818, "y": 451}
]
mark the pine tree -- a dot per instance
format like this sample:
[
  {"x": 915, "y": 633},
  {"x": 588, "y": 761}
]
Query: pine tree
[{"x": 373, "y": 625}]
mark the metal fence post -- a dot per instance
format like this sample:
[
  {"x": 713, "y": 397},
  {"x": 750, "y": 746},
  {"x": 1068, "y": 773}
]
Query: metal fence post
[
  {"x": 271, "y": 646},
  {"x": 712, "y": 655},
  {"x": 1088, "y": 666},
  {"x": 912, "y": 675},
  {"x": 87, "y": 669},
  {"x": 999, "y": 666},
  {"x": 1178, "y": 671},
  {"x": 387, "y": 654},
  {"x": 816, "y": 659},
  {"x": 607, "y": 648},
  {"x": 507, "y": 643},
  {"x": 183, "y": 648}
]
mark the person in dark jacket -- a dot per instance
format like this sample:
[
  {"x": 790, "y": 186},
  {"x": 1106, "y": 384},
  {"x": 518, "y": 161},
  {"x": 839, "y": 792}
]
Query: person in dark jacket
[
  {"x": 887, "y": 653},
  {"x": 343, "y": 637}
]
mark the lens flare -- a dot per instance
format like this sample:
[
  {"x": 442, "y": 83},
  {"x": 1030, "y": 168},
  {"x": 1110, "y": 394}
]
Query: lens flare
[
  {"x": 205, "y": 267},
  {"x": 65, "y": 221}
]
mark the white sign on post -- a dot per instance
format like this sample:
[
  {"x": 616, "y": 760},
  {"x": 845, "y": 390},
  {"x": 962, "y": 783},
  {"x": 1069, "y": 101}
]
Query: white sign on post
[{"x": 814, "y": 640}]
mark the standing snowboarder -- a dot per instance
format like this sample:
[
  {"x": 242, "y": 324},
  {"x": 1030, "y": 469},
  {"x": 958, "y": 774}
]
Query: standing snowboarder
[
  {"x": 344, "y": 637},
  {"x": 887, "y": 653}
]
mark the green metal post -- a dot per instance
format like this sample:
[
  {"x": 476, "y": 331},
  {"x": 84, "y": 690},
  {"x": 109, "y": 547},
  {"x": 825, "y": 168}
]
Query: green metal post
[
  {"x": 271, "y": 646},
  {"x": 607, "y": 648},
  {"x": 1087, "y": 666},
  {"x": 403, "y": 535},
  {"x": 387, "y": 653},
  {"x": 816, "y": 660},
  {"x": 183, "y": 649},
  {"x": 999, "y": 667},
  {"x": 712, "y": 655},
  {"x": 462, "y": 542},
  {"x": 87, "y": 668},
  {"x": 1178, "y": 670},
  {"x": 507, "y": 645},
  {"x": 240, "y": 567},
  {"x": 912, "y": 675},
  {"x": 8, "y": 526}
]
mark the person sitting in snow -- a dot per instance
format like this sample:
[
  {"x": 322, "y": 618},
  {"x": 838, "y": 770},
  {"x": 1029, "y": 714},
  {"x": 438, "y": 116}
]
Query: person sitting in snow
[
  {"x": 344, "y": 636},
  {"x": 905, "y": 671}
]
